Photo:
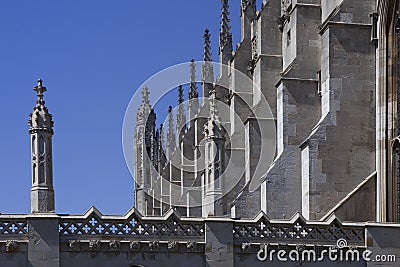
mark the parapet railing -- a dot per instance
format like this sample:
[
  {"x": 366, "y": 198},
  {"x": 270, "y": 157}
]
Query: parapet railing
[
  {"x": 298, "y": 231},
  {"x": 133, "y": 227},
  {"x": 94, "y": 225},
  {"x": 13, "y": 227},
  {"x": 14, "y": 235}
]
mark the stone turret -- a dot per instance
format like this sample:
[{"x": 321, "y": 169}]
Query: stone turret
[
  {"x": 180, "y": 116},
  {"x": 207, "y": 69},
  {"x": 193, "y": 103},
  {"x": 214, "y": 158},
  {"x": 41, "y": 131}
]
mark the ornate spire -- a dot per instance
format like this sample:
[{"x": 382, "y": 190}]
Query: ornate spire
[
  {"x": 193, "y": 93},
  {"x": 225, "y": 35},
  {"x": 145, "y": 95},
  {"x": 145, "y": 107},
  {"x": 41, "y": 131},
  {"x": 180, "y": 94},
  {"x": 40, "y": 89},
  {"x": 40, "y": 118},
  {"x": 207, "y": 46},
  {"x": 170, "y": 133},
  {"x": 207, "y": 70},
  {"x": 180, "y": 116},
  {"x": 193, "y": 103}
]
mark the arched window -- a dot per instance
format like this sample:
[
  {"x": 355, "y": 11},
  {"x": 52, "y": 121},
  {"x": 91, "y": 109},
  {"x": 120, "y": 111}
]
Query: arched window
[{"x": 33, "y": 144}]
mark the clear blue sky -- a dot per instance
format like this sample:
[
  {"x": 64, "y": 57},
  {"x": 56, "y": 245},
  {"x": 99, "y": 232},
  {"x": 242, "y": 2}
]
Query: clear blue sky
[{"x": 92, "y": 56}]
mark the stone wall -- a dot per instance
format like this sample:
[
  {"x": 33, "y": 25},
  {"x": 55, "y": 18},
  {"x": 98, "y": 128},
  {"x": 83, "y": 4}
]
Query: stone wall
[
  {"x": 342, "y": 146},
  {"x": 297, "y": 102}
]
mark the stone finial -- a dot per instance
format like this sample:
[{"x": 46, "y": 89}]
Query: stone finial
[
  {"x": 207, "y": 68},
  {"x": 225, "y": 44},
  {"x": 145, "y": 95},
  {"x": 40, "y": 89},
  {"x": 144, "y": 109},
  {"x": 180, "y": 116},
  {"x": 193, "y": 93},
  {"x": 192, "y": 71},
  {"x": 171, "y": 139},
  {"x": 162, "y": 142},
  {"x": 40, "y": 118},
  {"x": 180, "y": 94},
  {"x": 193, "y": 103},
  {"x": 207, "y": 46},
  {"x": 225, "y": 35}
]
